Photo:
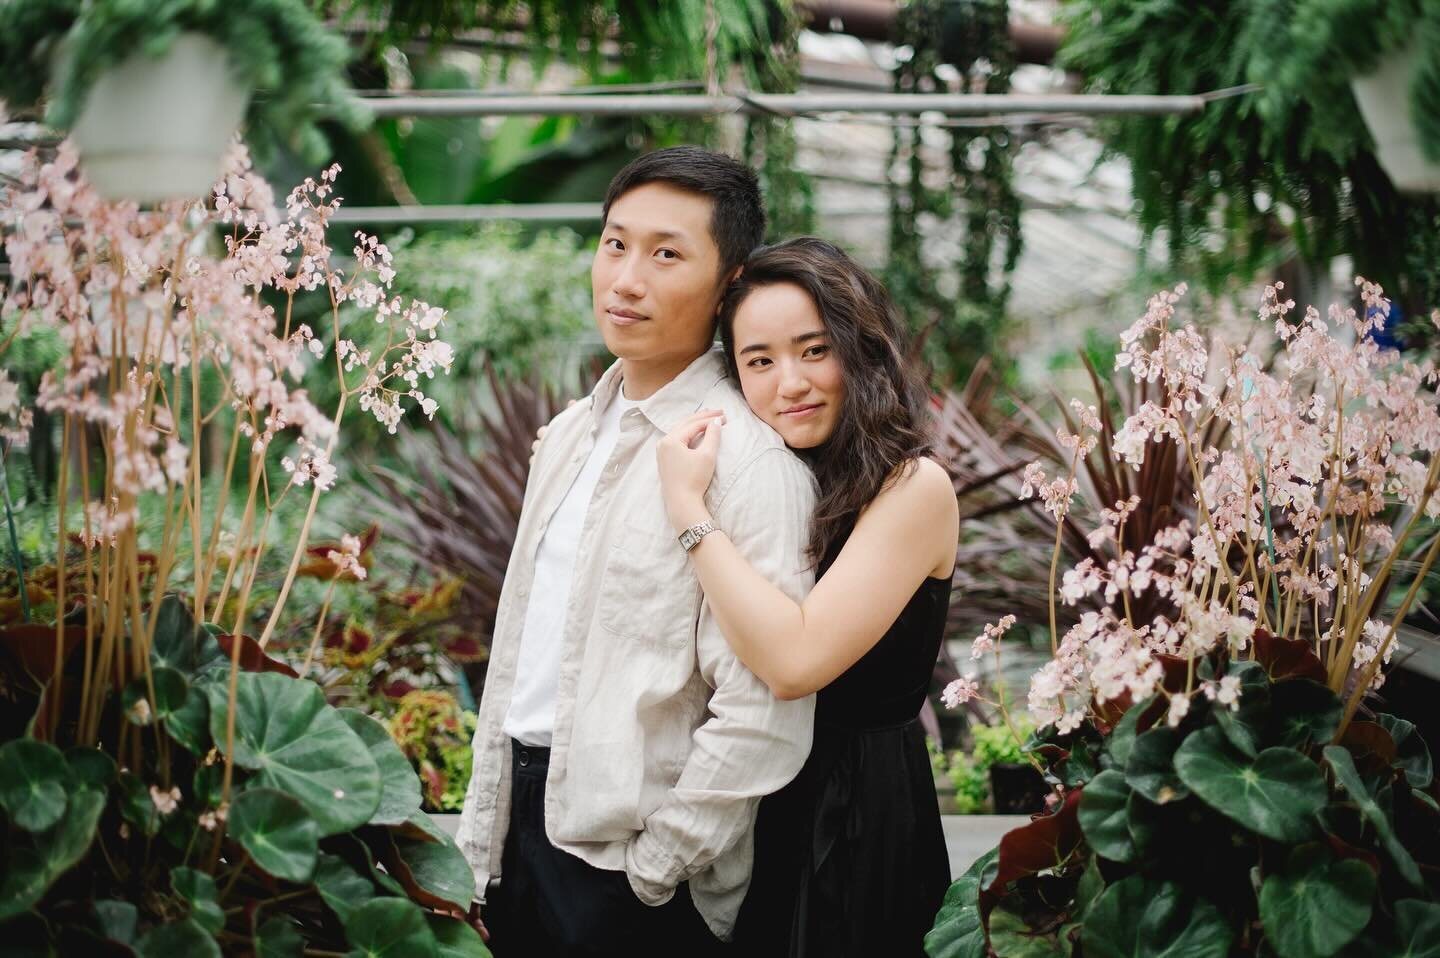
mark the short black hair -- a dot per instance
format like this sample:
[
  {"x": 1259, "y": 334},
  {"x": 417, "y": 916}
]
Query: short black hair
[{"x": 737, "y": 220}]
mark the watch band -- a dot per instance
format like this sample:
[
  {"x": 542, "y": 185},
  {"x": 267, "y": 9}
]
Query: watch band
[{"x": 691, "y": 537}]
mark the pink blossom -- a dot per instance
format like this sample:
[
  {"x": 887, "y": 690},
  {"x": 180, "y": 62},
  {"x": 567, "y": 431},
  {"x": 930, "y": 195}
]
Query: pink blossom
[{"x": 959, "y": 691}]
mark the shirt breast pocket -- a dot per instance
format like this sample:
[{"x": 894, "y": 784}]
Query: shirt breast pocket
[{"x": 648, "y": 591}]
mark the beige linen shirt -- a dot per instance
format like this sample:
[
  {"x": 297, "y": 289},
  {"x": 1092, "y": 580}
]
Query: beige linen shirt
[{"x": 663, "y": 741}]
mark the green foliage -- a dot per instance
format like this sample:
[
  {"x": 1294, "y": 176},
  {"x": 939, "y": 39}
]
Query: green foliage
[
  {"x": 278, "y": 48},
  {"x": 997, "y": 744},
  {"x": 1228, "y": 184},
  {"x": 1182, "y": 842},
  {"x": 434, "y": 733},
  {"x": 306, "y": 806},
  {"x": 960, "y": 324}
]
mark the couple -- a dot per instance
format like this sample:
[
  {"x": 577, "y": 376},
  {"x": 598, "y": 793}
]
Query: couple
[{"x": 646, "y": 696}]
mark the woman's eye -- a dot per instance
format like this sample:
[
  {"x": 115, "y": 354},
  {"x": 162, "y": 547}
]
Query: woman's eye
[
  {"x": 817, "y": 351},
  {"x": 614, "y": 244},
  {"x": 758, "y": 362},
  {"x": 667, "y": 254}
]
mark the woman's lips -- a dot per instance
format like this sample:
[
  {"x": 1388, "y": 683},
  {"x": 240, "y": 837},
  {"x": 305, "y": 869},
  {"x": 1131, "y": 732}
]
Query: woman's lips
[{"x": 801, "y": 412}]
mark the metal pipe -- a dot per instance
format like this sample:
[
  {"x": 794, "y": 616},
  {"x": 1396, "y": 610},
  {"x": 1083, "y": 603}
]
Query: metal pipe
[{"x": 663, "y": 104}]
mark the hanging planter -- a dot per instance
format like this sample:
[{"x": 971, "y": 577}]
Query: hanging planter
[
  {"x": 153, "y": 93},
  {"x": 1385, "y": 103},
  {"x": 157, "y": 129}
]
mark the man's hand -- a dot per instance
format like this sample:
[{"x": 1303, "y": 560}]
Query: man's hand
[{"x": 686, "y": 460}]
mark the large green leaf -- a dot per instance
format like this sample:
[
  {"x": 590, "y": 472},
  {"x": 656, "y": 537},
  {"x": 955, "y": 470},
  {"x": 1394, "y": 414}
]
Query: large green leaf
[
  {"x": 1122, "y": 737},
  {"x": 456, "y": 939},
  {"x": 33, "y": 783},
  {"x": 277, "y": 831},
  {"x": 1411, "y": 753},
  {"x": 1414, "y": 934},
  {"x": 190, "y": 724},
  {"x": 117, "y": 920},
  {"x": 90, "y": 767},
  {"x": 35, "y": 861},
  {"x": 179, "y": 643},
  {"x": 1276, "y": 794},
  {"x": 1105, "y": 816},
  {"x": 1245, "y": 725},
  {"x": 1302, "y": 712},
  {"x": 434, "y": 873},
  {"x": 179, "y": 939},
  {"x": 1343, "y": 767},
  {"x": 400, "y": 786},
  {"x": 341, "y": 887},
  {"x": 1012, "y": 937},
  {"x": 136, "y": 805},
  {"x": 1151, "y": 768},
  {"x": 959, "y": 930},
  {"x": 278, "y": 938},
  {"x": 198, "y": 890},
  {"x": 1143, "y": 918},
  {"x": 296, "y": 743},
  {"x": 1316, "y": 905},
  {"x": 22, "y": 881},
  {"x": 390, "y": 928},
  {"x": 171, "y": 691}
]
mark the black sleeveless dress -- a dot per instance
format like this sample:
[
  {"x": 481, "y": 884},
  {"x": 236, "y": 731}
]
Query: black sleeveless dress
[{"x": 850, "y": 857}]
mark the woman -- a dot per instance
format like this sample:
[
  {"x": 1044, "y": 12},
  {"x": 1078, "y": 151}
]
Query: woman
[{"x": 850, "y": 857}]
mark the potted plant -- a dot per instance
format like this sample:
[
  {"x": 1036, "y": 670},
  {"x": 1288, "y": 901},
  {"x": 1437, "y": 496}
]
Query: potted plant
[
  {"x": 1382, "y": 58},
  {"x": 1224, "y": 781},
  {"x": 153, "y": 92},
  {"x": 168, "y": 787}
]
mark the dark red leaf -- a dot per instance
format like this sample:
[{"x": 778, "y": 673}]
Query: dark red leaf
[
  {"x": 1043, "y": 844},
  {"x": 34, "y": 646},
  {"x": 252, "y": 657},
  {"x": 1288, "y": 658}
]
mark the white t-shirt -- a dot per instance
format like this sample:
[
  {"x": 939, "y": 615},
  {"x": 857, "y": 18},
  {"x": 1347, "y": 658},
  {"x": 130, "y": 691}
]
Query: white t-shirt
[{"x": 531, "y": 717}]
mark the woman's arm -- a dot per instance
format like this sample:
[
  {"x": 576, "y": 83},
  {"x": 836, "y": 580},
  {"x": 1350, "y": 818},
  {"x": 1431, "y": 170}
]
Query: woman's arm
[{"x": 907, "y": 532}]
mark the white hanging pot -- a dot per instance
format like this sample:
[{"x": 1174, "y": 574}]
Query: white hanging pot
[
  {"x": 1384, "y": 100},
  {"x": 157, "y": 129}
]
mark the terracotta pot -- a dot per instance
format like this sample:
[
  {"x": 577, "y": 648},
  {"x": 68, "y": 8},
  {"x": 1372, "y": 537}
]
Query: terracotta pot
[
  {"x": 157, "y": 129},
  {"x": 1384, "y": 101}
]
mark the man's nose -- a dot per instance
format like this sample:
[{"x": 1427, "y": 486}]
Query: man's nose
[{"x": 629, "y": 281}]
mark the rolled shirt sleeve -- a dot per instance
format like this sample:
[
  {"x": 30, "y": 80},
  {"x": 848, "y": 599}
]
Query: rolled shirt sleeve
[{"x": 751, "y": 744}]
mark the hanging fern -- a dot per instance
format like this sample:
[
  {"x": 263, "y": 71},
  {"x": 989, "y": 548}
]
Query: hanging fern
[{"x": 979, "y": 197}]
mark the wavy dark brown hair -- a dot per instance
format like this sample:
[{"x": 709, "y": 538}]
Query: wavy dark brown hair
[{"x": 883, "y": 426}]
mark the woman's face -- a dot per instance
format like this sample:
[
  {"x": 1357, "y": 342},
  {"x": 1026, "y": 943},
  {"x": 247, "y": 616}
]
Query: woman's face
[{"x": 789, "y": 371}]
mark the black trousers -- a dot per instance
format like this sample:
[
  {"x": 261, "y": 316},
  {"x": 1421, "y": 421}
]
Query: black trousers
[{"x": 550, "y": 903}]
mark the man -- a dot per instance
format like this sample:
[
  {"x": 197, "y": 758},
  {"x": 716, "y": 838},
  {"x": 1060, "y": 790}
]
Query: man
[{"x": 622, "y": 749}]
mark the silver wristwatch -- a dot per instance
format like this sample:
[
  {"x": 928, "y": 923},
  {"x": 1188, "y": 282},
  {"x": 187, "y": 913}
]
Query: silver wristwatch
[{"x": 691, "y": 537}]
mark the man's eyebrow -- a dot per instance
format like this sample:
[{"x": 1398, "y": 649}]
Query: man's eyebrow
[
  {"x": 797, "y": 340},
  {"x": 669, "y": 235}
]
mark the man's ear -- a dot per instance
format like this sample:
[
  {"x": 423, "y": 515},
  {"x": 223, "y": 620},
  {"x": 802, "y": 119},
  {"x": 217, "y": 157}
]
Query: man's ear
[{"x": 730, "y": 277}]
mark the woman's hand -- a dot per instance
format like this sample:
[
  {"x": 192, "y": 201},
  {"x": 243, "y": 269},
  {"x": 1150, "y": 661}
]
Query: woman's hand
[{"x": 686, "y": 459}]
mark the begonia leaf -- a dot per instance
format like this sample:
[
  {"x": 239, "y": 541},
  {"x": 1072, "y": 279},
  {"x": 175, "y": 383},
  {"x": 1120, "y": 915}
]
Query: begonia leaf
[
  {"x": 277, "y": 937},
  {"x": 180, "y": 643},
  {"x": 252, "y": 656},
  {"x": 341, "y": 887},
  {"x": 1275, "y": 794},
  {"x": 1315, "y": 905},
  {"x": 1370, "y": 746},
  {"x": 178, "y": 939},
  {"x": 137, "y": 805},
  {"x": 959, "y": 930},
  {"x": 298, "y": 744},
  {"x": 277, "y": 831},
  {"x": 198, "y": 890},
  {"x": 1302, "y": 711},
  {"x": 1346, "y": 776},
  {"x": 117, "y": 920},
  {"x": 433, "y": 873},
  {"x": 1288, "y": 658},
  {"x": 1414, "y": 934},
  {"x": 1411, "y": 754},
  {"x": 455, "y": 938},
  {"x": 90, "y": 767},
  {"x": 34, "y": 781},
  {"x": 400, "y": 788},
  {"x": 1105, "y": 816},
  {"x": 190, "y": 724},
  {"x": 171, "y": 691},
  {"x": 1244, "y": 725},
  {"x": 1139, "y": 917},
  {"x": 1151, "y": 768},
  {"x": 390, "y": 928},
  {"x": 1012, "y": 937},
  {"x": 1038, "y": 846}
]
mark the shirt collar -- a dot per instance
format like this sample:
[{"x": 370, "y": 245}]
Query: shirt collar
[{"x": 672, "y": 402}]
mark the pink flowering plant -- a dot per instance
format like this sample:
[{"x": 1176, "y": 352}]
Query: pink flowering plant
[
  {"x": 1223, "y": 781},
  {"x": 176, "y": 789}
]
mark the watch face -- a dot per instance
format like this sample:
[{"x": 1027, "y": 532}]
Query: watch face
[{"x": 687, "y": 539}]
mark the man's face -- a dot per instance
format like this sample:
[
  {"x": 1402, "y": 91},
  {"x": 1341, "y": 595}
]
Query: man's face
[{"x": 656, "y": 280}]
